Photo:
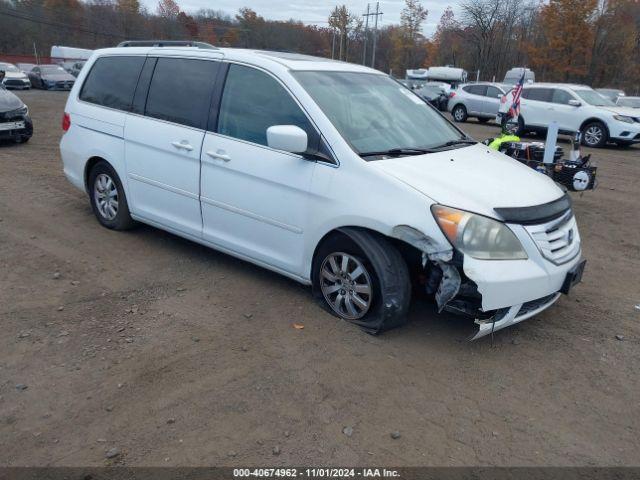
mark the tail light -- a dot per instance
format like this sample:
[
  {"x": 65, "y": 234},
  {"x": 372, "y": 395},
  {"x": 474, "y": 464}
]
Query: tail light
[
  {"x": 66, "y": 122},
  {"x": 452, "y": 94}
]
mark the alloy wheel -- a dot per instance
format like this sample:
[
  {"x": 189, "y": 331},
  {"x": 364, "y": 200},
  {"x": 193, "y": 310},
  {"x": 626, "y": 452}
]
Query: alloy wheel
[
  {"x": 346, "y": 285},
  {"x": 593, "y": 135},
  {"x": 105, "y": 194}
]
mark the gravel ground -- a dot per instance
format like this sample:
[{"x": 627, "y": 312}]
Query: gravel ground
[{"x": 142, "y": 348}]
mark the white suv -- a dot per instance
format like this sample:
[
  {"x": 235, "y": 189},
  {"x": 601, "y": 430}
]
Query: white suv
[
  {"x": 578, "y": 108},
  {"x": 330, "y": 173}
]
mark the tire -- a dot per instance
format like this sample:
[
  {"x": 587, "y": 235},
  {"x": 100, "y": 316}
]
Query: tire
[
  {"x": 594, "y": 134},
  {"x": 104, "y": 187},
  {"x": 379, "y": 295},
  {"x": 483, "y": 120},
  {"x": 459, "y": 113}
]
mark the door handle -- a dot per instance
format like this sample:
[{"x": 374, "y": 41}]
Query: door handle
[
  {"x": 184, "y": 145},
  {"x": 220, "y": 155}
]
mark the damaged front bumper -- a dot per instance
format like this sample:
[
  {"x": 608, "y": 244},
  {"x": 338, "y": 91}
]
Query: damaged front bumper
[{"x": 500, "y": 293}]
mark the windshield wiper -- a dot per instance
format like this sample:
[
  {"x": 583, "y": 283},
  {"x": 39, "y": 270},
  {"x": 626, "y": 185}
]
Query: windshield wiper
[
  {"x": 396, "y": 152},
  {"x": 452, "y": 143}
]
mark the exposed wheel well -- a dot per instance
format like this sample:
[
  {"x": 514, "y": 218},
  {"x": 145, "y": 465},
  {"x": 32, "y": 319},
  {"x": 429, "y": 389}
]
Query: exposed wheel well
[
  {"x": 411, "y": 255},
  {"x": 592, "y": 120},
  {"x": 88, "y": 167}
]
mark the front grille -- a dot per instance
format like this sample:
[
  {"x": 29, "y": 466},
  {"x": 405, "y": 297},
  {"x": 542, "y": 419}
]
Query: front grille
[
  {"x": 64, "y": 84},
  {"x": 12, "y": 82},
  {"x": 13, "y": 115},
  {"x": 557, "y": 240},
  {"x": 535, "y": 304}
]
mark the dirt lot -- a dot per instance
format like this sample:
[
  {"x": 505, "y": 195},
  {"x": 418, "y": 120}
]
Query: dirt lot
[{"x": 178, "y": 355}]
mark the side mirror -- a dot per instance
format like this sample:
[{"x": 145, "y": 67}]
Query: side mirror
[
  {"x": 574, "y": 103},
  {"x": 288, "y": 138}
]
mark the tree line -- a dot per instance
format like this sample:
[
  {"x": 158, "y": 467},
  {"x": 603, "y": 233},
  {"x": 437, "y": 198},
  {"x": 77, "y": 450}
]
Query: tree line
[{"x": 586, "y": 41}]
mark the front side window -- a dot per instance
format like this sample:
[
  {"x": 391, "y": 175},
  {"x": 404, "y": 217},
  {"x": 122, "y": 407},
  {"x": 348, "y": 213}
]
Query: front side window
[
  {"x": 253, "y": 101},
  {"x": 561, "y": 96},
  {"x": 180, "y": 91},
  {"x": 112, "y": 82},
  {"x": 494, "y": 92},
  {"x": 374, "y": 113}
]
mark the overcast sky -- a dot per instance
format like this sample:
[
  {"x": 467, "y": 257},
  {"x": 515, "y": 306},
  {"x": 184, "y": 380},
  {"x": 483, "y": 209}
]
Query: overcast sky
[{"x": 313, "y": 11}]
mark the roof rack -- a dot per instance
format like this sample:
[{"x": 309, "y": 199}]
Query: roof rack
[{"x": 166, "y": 43}]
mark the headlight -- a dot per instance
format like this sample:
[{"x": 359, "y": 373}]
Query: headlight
[
  {"x": 623, "y": 118},
  {"x": 477, "y": 236}
]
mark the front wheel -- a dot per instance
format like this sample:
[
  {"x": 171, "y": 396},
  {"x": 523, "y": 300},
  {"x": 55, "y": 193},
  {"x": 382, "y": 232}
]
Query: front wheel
[
  {"x": 594, "y": 135},
  {"x": 108, "y": 199},
  {"x": 459, "y": 113},
  {"x": 361, "y": 277}
]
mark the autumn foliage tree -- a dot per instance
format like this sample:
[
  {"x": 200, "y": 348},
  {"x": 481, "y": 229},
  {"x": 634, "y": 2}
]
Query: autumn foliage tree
[{"x": 568, "y": 35}]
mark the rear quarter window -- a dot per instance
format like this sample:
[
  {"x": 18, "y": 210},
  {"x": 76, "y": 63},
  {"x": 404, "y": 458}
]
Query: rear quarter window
[{"x": 112, "y": 82}]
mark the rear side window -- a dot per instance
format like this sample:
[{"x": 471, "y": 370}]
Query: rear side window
[
  {"x": 254, "y": 101},
  {"x": 112, "y": 82},
  {"x": 181, "y": 89},
  {"x": 539, "y": 94},
  {"x": 476, "y": 89}
]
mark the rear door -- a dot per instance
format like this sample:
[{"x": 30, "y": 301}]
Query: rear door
[
  {"x": 255, "y": 198},
  {"x": 475, "y": 98},
  {"x": 163, "y": 139},
  {"x": 491, "y": 101},
  {"x": 536, "y": 108}
]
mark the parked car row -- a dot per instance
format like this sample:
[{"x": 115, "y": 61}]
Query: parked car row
[
  {"x": 48, "y": 77},
  {"x": 574, "y": 107}
]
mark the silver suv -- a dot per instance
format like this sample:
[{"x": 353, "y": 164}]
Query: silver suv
[{"x": 480, "y": 100}]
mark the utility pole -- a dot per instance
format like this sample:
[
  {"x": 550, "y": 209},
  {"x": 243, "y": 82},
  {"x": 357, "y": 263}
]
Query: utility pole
[
  {"x": 366, "y": 36},
  {"x": 375, "y": 35},
  {"x": 333, "y": 44}
]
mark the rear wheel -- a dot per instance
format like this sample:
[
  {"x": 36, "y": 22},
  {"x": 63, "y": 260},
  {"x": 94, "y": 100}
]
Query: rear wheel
[
  {"x": 594, "y": 135},
  {"x": 360, "y": 277},
  {"x": 108, "y": 199},
  {"x": 459, "y": 113}
]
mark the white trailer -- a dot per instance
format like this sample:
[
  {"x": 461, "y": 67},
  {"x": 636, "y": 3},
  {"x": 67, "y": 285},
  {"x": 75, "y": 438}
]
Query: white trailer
[{"x": 68, "y": 54}]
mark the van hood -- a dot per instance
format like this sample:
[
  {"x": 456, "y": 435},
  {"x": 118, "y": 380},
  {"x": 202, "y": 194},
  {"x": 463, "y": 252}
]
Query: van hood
[
  {"x": 475, "y": 178},
  {"x": 8, "y": 101}
]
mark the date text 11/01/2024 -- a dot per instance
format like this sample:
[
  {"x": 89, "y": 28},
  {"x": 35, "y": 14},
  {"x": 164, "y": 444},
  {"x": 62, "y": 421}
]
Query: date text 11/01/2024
[{"x": 315, "y": 473}]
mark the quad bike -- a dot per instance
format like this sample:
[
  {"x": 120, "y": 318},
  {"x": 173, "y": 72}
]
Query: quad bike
[{"x": 576, "y": 173}]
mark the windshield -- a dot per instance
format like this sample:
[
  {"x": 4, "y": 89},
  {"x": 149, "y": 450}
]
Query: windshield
[
  {"x": 633, "y": 102},
  {"x": 7, "y": 67},
  {"x": 594, "y": 98},
  {"x": 51, "y": 69},
  {"x": 374, "y": 113}
]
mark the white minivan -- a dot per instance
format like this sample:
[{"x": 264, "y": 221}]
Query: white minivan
[{"x": 330, "y": 173}]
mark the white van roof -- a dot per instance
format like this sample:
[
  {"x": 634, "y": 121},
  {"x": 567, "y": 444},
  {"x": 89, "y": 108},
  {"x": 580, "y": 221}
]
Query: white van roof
[{"x": 291, "y": 61}]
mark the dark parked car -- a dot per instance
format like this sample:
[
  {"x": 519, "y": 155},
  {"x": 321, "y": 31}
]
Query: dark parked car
[
  {"x": 51, "y": 77},
  {"x": 435, "y": 95},
  {"x": 15, "y": 123}
]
